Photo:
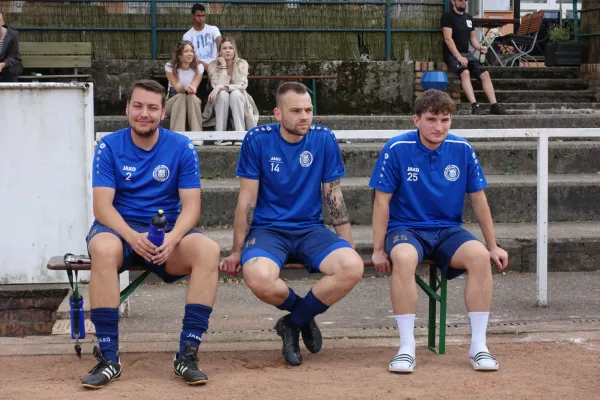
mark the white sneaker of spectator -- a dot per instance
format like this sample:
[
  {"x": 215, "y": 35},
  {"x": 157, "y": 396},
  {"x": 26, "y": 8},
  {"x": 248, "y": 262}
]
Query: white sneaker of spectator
[
  {"x": 222, "y": 143},
  {"x": 197, "y": 142}
]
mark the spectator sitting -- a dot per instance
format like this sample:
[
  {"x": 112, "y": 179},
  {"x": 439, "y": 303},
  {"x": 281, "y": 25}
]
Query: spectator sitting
[
  {"x": 205, "y": 38},
  {"x": 458, "y": 30},
  {"x": 10, "y": 58},
  {"x": 184, "y": 75},
  {"x": 229, "y": 78}
]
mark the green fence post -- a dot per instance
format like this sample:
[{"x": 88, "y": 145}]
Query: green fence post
[
  {"x": 153, "y": 26},
  {"x": 314, "y": 95},
  {"x": 388, "y": 30}
]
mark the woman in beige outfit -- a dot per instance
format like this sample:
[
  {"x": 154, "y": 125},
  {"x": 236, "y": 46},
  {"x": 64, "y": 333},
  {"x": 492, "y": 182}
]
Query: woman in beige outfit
[
  {"x": 184, "y": 75},
  {"x": 229, "y": 78}
]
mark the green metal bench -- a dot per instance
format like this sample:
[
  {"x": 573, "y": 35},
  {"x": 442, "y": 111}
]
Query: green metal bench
[
  {"x": 436, "y": 290},
  {"x": 44, "y": 55}
]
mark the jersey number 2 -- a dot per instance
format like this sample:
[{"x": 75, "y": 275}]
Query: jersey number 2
[
  {"x": 274, "y": 167},
  {"x": 128, "y": 176}
]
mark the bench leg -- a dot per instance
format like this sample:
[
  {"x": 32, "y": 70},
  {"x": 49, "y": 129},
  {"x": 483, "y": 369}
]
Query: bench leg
[
  {"x": 125, "y": 293},
  {"x": 443, "y": 303},
  {"x": 431, "y": 290}
]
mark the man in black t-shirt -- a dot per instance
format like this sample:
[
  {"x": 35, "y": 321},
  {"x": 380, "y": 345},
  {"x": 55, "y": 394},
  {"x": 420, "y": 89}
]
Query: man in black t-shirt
[{"x": 458, "y": 30}]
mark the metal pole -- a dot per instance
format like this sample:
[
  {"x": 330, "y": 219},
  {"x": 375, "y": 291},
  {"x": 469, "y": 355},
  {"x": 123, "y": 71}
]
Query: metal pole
[
  {"x": 516, "y": 14},
  {"x": 153, "y": 26},
  {"x": 542, "y": 220},
  {"x": 388, "y": 30},
  {"x": 575, "y": 20}
]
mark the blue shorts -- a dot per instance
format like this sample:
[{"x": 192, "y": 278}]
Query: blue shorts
[
  {"x": 308, "y": 246},
  {"x": 130, "y": 257},
  {"x": 438, "y": 245}
]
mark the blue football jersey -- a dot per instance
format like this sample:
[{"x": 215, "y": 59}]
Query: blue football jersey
[
  {"x": 428, "y": 186},
  {"x": 290, "y": 174},
  {"x": 146, "y": 181}
]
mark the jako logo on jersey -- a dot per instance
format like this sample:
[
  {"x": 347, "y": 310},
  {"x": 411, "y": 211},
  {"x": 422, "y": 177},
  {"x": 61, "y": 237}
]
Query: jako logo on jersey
[
  {"x": 191, "y": 335},
  {"x": 275, "y": 159},
  {"x": 451, "y": 172},
  {"x": 126, "y": 168},
  {"x": 161, "y": 173},
  {"x": 306, "y": 158},
  {"x": 104, "y": 340}
]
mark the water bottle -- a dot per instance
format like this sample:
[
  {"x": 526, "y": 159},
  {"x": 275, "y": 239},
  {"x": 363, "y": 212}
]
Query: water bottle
[
  {"x": 158, "y": 225},
  {"x": 481, "y": 58},
  {"x": 77, "y": 317}
]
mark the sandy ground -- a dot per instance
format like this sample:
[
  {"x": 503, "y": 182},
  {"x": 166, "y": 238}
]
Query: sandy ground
[{"x": 527, "y": 371}]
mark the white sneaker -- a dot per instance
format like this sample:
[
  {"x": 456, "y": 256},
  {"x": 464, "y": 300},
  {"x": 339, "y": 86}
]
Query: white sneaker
[
  {"x": 403, "y": 363},
  {"x": 222, "y": 143},
  {"x": 197, "y": 142},
  {"x": 483, "y": 361}
]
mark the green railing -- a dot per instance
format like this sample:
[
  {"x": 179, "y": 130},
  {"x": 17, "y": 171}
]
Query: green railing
[{"x": 155, "y": 26}]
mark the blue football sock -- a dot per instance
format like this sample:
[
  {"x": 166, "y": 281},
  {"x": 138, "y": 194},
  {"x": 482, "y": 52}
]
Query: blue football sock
[
  {"x": 106, "y": 321},
  {"x": 195, "y": 323},
  {"x": 308, "y": 309},
  {"x": 291, "y": 302}
]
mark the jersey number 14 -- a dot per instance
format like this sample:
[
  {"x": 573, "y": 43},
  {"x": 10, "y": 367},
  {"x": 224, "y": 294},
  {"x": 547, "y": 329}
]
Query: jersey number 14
[{"x": 274, "y": 167}]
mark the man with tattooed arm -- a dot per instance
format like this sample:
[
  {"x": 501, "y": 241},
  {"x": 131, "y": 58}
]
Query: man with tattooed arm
[{"x": 285, "y": 170}]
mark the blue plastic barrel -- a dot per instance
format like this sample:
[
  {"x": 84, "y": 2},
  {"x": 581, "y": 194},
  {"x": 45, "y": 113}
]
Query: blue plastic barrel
[{"x": 434, "y": 80}]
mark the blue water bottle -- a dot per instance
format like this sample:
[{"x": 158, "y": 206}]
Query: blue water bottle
[
  {"x": 158, "y": 225},
  {"x": 77, "y": 316}
]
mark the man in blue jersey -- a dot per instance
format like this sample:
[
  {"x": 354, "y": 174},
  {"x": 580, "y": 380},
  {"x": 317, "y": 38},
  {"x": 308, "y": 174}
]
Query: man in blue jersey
[
  {"x": 420, "y": 180},
  {"x": 136, "y": 172},
  {"x": 285, "y": 171}
]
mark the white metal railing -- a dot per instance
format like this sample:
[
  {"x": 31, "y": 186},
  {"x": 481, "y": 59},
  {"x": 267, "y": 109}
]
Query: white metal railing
[{"x": 540, "y": 134}]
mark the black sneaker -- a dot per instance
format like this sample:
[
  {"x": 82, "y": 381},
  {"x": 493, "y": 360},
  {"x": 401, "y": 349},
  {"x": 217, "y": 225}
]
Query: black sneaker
[
  {"x": 311, "y": 336},
  {"x": 475, "y": 109},
  {"x": 497, "y": 109},
  {"x": 290, "y": 335},
  {"x": 104, "y": 372},
  {"x": 186, "y": 366}
]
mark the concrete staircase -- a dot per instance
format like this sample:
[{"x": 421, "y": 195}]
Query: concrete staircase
[
  {"x": 510, "y": 166},
  {"x": 547, "y": 90},
  {"x": 574, "y": 198}
]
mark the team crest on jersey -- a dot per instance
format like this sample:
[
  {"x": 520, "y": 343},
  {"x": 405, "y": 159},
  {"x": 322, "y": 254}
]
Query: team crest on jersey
[
  {"x": 306, "y": 159},
  {"x": 161, "y": 173},
  {"x": 451, "y": 172}
]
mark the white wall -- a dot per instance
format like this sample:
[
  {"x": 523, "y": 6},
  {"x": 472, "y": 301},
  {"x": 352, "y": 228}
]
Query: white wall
[{"x": 47, "y": 132}]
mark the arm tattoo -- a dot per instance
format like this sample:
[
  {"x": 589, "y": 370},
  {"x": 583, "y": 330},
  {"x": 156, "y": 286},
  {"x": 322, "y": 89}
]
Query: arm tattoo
[
  {"x": 249, "y": 217},
  {"x": 336, "y": 205}
]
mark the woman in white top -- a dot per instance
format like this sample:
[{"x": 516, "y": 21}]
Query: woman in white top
[
  {"x": 184, "y": 75},
  {"x": 229, "y": 78}
]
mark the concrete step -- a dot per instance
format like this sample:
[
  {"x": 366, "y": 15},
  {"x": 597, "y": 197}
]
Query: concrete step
[
  {"x": 369, "y": 122},
  {"x": 572, "y": 246},
  {"x": 512, "y": 199},
  {"x": 535, "y": 84},
  {"x": 540, "y": 96},
  {"x": 538, "y": 108},
  {"x": 559, "y": 111},
  {"x": 497, "y": 158},
  {"x": 534, "y": 72}
]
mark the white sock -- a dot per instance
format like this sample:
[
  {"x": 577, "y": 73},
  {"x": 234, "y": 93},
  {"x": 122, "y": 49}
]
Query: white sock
[
  {"x": 479, "y": 322},
  {"x": 406, "y": 328}
]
